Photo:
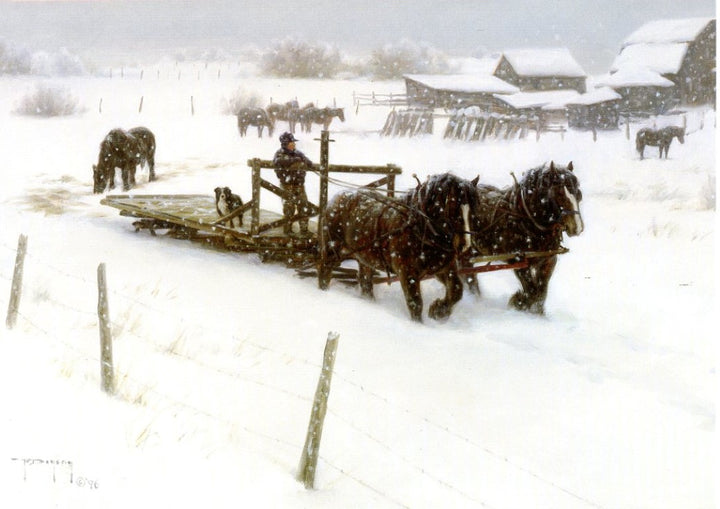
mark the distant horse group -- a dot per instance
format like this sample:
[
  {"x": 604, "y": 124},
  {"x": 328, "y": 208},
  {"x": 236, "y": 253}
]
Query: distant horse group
[
  {"x": 660, "y": 138},
  {"x": 305, "y": 116},
  {"x": 125, "y": 150}
]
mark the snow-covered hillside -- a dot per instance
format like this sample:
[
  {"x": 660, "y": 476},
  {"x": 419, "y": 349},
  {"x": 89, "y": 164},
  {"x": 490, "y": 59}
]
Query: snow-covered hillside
[{"x": 607, "y": 401}]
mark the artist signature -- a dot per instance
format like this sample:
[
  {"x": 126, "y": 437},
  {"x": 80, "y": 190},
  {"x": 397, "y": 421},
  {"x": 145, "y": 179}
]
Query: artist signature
[{"x": 56, "y": 471}]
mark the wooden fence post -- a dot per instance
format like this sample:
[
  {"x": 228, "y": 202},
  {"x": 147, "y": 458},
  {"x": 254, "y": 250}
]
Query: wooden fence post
[
  {"x": 627, "y": 127},
  {"x": 16, "y": 287},
  {"x": 142, "y": 97},
  {"x": 107, "y": 374},
  {"x": 100, "y": 106},
  {"x": 310, "y": 453},
  {"x": 192, "y": 106}
]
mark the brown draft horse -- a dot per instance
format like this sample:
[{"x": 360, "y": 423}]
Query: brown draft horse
[
  {"x": 660, "y": 138},
  {"x": 529, "y": 216},
  {"x": 125, "y": 150},
  {"x": 420, "y": 235}
]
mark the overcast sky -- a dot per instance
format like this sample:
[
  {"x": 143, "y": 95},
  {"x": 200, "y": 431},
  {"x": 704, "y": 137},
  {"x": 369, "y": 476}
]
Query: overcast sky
[{"x": 593, "y": 30}]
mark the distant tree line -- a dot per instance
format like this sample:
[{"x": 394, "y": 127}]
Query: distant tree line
[
  {"x": 287, "y": 58},
  {"x": 293, "y": 58},
  {"x": 17, "y": 60}
]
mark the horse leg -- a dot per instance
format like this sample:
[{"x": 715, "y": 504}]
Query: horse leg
[
  {"x": 442, "y": 308},
  {"x": 534, "y": 281},
  {"x": 365, "y": 279},
  {"x": 126, "y": 176},
  {"x": 151, "y": 166},
  {"x": 411, "y": 289}
]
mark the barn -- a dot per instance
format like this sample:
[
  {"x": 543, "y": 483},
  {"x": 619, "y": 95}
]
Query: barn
[
  {"x": 455, "y": 90},
  {"x": 679, "y": 50},
  {"x": 540, "y": 69},
  {"x": 642, "y": 91},
  {"x": 597, "y": 109}
]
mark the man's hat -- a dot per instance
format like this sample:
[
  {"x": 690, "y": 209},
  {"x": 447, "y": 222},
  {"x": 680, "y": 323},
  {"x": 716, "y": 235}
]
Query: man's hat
[{"x": 286, "y": 138}]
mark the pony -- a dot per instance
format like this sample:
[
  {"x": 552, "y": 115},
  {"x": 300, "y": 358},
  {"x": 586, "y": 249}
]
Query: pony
[
  {"x": 417, "y": 236},
  {"x": 257, "y": 117},
  {"x": 125, "y": 150},
  {"x": 660, "y": 138},
  {"x": 530, "y": 215},
  {"x": 322, "y": 116}
]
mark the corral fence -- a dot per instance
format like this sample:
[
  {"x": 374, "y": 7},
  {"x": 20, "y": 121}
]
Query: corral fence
[
  {"x": 411, "y": 122},
  {"x": 374, "y": 99}
]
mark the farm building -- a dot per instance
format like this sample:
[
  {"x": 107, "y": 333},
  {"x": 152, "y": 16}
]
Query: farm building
[
  {"x": 541, "y": 69},
  {"x": 597, "y": 109},
  {"x": 455, "y": 91},
  {"x": 547, "y": 106},
  {"x": 681, "y": 51},
  {"x": 642, "y": 91}
]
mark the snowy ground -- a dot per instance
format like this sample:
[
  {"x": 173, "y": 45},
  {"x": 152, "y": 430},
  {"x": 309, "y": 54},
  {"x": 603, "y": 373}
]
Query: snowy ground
[{"x": 608, "y": 401}]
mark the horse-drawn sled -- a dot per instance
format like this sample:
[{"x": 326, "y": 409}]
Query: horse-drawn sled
[{"x": 447, "y": 227}]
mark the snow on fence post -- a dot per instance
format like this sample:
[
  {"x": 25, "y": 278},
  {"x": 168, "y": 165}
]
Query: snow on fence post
[
  {"x": 310, "y": 453},
  {"x": 16, "y": 286},
  {"x": 107, "y": 375}
]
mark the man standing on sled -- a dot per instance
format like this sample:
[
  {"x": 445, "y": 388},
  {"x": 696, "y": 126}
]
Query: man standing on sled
[{"x": 290, "y": 165}]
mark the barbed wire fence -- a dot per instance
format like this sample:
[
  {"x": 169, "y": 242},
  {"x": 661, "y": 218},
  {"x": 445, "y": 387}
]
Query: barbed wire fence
[{"x": 82, "y": 359}]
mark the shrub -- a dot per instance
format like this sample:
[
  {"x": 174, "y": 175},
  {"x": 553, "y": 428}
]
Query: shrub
[
  {"x": 14, "y": 60},
  {"x": 62, "y": 63},
  {"x": 394, "y": 60},
  {"x": 292, "y": 58},
  {"x": 240, "y": 99},
  {"x": 48, "y": 101}
]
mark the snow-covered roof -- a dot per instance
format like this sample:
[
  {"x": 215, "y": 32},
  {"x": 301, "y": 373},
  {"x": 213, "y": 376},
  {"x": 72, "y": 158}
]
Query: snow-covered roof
[
  {"x": 660, "y": 57},
  {"x": 668, "y": 31},
  {"x": 635, "y": 77},
  {"x": 599, "y": 95},
  {"x": 469, "y": 83},
  {"x": 550, "y": 99},
  {"x": 541, "y": 62},
  {"x": 483, "y": 65}
]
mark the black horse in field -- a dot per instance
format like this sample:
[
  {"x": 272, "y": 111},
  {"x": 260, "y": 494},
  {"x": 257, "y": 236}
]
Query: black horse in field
[
  {"x": 420, "y": 235},
  {"x": 257, "y": 117},
  {"x": 529, "y": 216},
  {"x": 125, "y": 150},
  {"x": 660, "y": 138},
  {"x": 322, "y": 116}
]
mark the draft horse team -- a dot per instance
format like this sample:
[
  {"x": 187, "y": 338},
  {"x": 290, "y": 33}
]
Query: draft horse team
[{"x": 436, "y": 229}]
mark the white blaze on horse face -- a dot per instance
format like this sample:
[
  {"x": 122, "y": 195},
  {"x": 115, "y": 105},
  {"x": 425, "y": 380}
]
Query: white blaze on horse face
[
  {"x": 579, "y": 226},
  {"x": 466, "y": 221}
]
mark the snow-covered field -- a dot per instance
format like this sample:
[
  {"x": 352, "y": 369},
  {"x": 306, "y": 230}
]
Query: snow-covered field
[{"x": 607, "y": 401}]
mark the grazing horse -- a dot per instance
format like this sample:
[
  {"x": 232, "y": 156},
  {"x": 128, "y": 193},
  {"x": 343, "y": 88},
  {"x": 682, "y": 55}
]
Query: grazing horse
[
  {"x": 529, "y": 216},
  {"x": 257, "y": 117},
  {"x": 125, "y": 150},
  {"x": 420, "y": 235},
  {"x": 322, "y": 116},
  {"x": 660, "y": 138}
]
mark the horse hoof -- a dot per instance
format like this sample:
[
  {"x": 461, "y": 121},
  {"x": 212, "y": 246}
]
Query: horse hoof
[
  {"x": 519, "y": 301},
  {"x": 439, "y": 311}
]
